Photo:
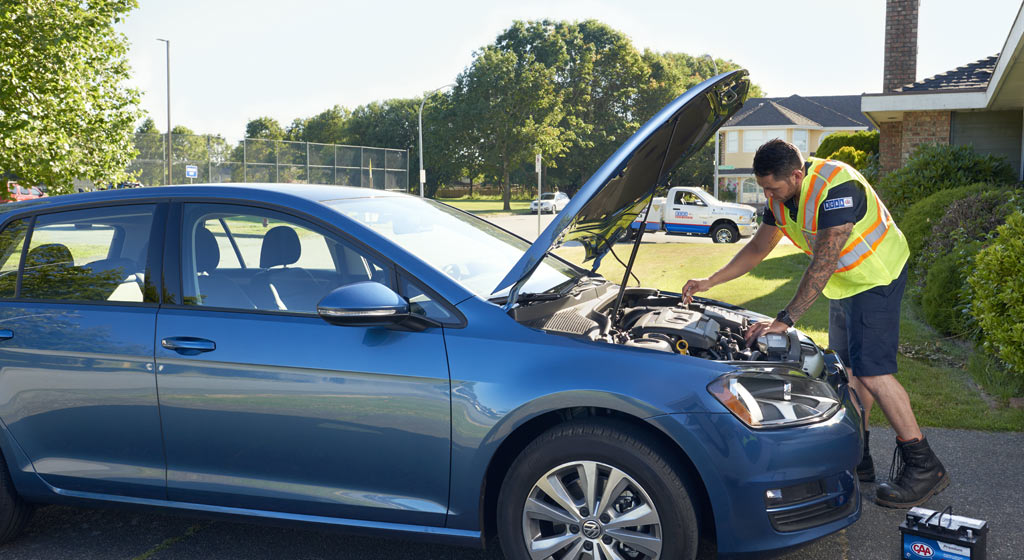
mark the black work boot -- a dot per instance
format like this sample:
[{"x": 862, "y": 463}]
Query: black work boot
[
  {"x": 866, "y": 467},
  {"x": 915, "y": 476}
]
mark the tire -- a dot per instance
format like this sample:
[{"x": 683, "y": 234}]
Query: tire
[
  {"x": 725, "y": 233},
  {"x": 648, "y": 490},
  {"x": 14, "y": 512}
]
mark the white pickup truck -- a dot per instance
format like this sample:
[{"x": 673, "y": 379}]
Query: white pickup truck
[{"x": 692, "y": 211}]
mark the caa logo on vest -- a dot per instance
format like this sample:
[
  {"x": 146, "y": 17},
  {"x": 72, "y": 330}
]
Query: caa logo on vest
[
  {"x": 922, "y": 550},
  {"x": 845, "y": 202}
]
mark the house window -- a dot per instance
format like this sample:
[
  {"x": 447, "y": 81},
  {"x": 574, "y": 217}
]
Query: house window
[
  {"x": 800, "y": 140},
  {"x": 752, "y": 139},
  {"x": 732, "y": 141}
]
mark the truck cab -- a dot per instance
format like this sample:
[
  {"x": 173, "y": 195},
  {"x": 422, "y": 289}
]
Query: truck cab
[{"x": 693, "y": 211}]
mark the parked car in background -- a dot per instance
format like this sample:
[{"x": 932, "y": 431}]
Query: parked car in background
[
  {"x": 694, "y": 211},
  {"x": 552, "y": 202},
  {"x": 18, "y": 192},
  {"x": 384, "y": 363}
]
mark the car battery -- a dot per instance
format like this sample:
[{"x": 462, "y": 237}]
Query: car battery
[{"x": 942, "y": 536}]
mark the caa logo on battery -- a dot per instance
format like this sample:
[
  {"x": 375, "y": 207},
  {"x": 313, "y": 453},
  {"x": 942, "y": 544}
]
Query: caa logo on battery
[{"x": 922, "y": 550}]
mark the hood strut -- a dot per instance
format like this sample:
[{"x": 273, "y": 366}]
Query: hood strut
[{"x": 643, "y": 226}]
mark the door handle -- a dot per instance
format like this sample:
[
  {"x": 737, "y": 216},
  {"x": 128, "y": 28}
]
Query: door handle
[
  {"x": 188, "y": 345},
  {"x": 6, "y": 334}
]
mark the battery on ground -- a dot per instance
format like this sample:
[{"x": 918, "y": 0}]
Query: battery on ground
[{"x": 942, "y": 536}]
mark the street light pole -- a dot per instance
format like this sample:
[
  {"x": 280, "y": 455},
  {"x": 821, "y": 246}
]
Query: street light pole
[
  {"x": 168, "y": 43},
  {"x": 715, "y": 164},
  {"x": 423, "y": 174}
]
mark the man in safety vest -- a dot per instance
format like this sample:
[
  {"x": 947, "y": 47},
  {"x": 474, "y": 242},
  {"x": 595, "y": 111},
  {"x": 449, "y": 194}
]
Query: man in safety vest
[{"x": 858, "y": 260}]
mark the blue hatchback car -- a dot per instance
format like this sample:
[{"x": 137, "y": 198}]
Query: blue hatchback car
[{"x": 381, "y": 363}]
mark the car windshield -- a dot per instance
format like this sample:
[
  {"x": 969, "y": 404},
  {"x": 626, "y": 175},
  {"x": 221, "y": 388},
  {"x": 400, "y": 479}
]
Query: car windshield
[
  {"x": 470, "y": 250},
  {"x": 547, "y": 196}
]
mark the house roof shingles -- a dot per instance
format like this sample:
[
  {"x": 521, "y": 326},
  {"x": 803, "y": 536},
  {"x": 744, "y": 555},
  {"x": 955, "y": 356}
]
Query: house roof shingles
[
  {"x": 969, "y": 77},
  {"x": 824, "y": 111}
]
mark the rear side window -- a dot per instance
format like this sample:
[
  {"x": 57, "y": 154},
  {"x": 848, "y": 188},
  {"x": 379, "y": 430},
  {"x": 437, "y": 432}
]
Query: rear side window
[
  {"x": 12, "y": 240},
  {"x": 97, "y": 254}
]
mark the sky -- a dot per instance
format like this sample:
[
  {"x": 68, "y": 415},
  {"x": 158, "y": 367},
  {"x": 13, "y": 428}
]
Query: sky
[{"x": 231, "y": 61}]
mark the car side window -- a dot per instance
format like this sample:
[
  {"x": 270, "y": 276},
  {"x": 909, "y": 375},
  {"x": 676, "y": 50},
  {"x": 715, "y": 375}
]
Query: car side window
[
  {"x": 98, "y": 254},
  {"x": 12, "y": 240},
  {"x": 422, "y": 303},
  {"x": 240, "y": 257}
]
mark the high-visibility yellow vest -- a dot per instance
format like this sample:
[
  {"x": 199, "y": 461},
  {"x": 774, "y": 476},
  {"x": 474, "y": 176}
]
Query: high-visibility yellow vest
[{"x": 876, "y": 251}]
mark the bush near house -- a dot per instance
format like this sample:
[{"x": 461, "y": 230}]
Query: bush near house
[
  {"x": 997, "y": 284},
  {"x": 935, "y": 167},
  {"x": 921, "y": 216},
  {"x": 851, "y": 155},
  {"x": 863, "y": 140},
  {"x": 946, "y": 298}
]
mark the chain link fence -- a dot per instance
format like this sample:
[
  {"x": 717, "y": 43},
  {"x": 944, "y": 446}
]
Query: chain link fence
[{"x": 255, "y": 160}]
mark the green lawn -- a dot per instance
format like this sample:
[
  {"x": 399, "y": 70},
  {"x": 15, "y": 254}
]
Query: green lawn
[
  {"x": 941, "y": 390},
  {"x": 487, "y": 207}
]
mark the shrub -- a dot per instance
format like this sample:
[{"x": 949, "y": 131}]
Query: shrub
[
  {"x": 997, "y": 285},
  {"x": 972, "y": 218},
  {"x": 863, "y": 140},
  {"x": 921, "y": 217},
  {"x": 851, "y": 155},
  {"x": 934, "y": 167},
  {"x": 946, "y": 298}
]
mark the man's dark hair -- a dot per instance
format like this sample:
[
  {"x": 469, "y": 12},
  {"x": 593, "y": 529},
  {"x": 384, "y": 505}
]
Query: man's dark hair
[{"x": 777, "y": 158}]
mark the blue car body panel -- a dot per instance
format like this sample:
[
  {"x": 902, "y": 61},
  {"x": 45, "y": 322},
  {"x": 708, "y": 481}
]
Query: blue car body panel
[
  {"x": 297, "y": 410},
  {"x": 79, "y": 395}
]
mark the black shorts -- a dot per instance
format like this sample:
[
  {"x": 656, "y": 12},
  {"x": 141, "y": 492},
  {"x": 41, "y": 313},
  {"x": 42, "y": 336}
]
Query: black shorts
[{"x": 864, "y": 329}]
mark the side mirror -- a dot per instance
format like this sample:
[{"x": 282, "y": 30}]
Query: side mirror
[{"x": 367, "y": 304}]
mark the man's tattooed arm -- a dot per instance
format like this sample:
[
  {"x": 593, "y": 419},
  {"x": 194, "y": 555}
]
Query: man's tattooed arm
[{"x": 827, "y": 246}]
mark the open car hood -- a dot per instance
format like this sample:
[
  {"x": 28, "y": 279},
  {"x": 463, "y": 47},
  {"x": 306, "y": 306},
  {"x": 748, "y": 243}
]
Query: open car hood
[{"x": 611, "y": 199}]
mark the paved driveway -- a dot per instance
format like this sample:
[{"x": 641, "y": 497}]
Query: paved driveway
[{"x": 987, "y": 483}]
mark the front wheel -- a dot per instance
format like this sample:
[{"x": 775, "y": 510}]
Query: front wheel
[
  {"x": 592, "y": 489},
  {"x": 725, "y": 233}
]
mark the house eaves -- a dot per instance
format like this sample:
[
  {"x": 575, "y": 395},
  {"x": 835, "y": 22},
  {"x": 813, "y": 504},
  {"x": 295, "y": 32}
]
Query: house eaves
[{"x": 951, "y": 92}]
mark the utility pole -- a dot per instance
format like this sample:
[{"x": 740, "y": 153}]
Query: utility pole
[{"x": 168, "y": 43}]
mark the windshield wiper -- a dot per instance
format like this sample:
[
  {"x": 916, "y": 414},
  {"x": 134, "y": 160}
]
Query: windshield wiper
[{"x": 526, "y": 298}]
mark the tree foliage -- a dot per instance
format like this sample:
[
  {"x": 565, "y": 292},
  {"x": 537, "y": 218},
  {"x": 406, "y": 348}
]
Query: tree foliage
[
  {"x": 511, "y": 109},
  {"x": 65, "y": 112}
]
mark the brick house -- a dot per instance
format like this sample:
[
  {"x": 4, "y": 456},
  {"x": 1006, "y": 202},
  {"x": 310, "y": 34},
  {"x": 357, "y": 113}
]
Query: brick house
[
  {"x": 980, "y": 103},
  {"x": 804, "y": 121}
]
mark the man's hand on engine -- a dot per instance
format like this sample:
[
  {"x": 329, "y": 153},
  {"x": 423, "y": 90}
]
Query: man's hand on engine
[{"x": 762, "y": 328}]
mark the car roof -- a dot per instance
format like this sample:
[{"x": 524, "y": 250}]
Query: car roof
[{"x": 269, "y": 192}]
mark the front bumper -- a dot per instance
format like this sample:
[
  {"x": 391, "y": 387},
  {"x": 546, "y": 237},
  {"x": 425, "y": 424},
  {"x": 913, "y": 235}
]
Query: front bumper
[
  {"x": 812, "y": 467},
  {"x": 748, "y": 230}
]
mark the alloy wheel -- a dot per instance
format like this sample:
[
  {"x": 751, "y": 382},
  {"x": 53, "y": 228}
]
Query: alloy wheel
[{"x": 590, "y": 510}]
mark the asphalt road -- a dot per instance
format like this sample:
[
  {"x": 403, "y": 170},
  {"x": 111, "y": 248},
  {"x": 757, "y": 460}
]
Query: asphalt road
[{"x": 985, "y": 468}]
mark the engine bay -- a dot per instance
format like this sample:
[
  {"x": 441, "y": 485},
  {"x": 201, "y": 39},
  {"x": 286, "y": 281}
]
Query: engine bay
[{"x": 657, "y": 321}]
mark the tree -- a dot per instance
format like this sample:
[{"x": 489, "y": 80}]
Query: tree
[
  {"x": 327, "y": 127},
  {"x": 149, "y": 166},
  {"x": 266, "y": 128},
  {"x": 510, "y": 109},
  {"x": 65, "y": 112}
]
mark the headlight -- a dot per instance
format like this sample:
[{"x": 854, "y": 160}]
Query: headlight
[{"x": 774, "y": 398}]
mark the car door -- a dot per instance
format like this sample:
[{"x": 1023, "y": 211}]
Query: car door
[
  {"x": 266, "y": 406},
  {"x": 77, "y": 318}
]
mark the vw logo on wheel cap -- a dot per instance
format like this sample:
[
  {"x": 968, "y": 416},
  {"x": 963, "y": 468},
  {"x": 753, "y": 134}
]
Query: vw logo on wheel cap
[{"x": 591, "y": 529}]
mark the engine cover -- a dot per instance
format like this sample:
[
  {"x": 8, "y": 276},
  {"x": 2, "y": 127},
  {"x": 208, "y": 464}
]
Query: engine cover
[{"x": 696, "y": 329}]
